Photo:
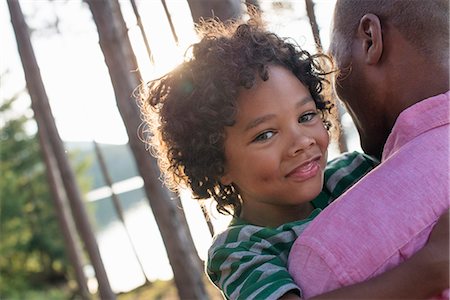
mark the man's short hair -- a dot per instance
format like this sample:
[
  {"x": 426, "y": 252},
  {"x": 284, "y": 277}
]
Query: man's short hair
[{"x": 424, "y": 23}]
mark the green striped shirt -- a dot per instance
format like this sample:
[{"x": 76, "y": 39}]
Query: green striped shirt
[{"x": 250, "y": 262}]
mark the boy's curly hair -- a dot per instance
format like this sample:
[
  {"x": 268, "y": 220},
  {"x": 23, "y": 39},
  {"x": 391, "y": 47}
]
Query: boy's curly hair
[{"x": 186, "y": 111}]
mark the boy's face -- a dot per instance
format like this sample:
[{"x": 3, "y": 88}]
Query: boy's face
[{"x": 277, "y": 150}]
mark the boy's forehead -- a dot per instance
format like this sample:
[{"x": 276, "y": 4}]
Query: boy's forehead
[{"x": 280, "y": 82}]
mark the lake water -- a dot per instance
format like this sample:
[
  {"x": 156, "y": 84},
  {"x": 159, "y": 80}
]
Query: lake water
[{"x": 121, "y": 264}]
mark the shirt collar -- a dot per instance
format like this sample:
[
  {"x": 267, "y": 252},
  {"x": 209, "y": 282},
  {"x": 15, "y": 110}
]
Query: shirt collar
[{"x": 415, "y": 120}]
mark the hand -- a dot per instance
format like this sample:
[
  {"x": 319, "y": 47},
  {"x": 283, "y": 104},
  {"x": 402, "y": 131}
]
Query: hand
[
  {"x": 440, "y": 232},
  {"x": 437, "y": 249},
  {"x": 290, "y": 296}
]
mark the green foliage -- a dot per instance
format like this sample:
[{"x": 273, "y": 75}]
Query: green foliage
[{"x": 32, "y": 251}]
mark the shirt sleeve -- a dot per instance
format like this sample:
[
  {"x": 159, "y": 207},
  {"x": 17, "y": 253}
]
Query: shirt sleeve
[
  {"x": 248, "y": 270},
  {"x": 315, "y": 269},
  {"x": 372, "y": 228}
]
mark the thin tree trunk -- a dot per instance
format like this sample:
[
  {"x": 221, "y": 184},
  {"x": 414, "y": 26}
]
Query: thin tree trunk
[
  {"x": 254, "y": 5},
  {"x": 342, "y": 143},
  {"x": 222, "y": 9},
  {"x": 342, "y": 136},
  {"x": 121, "y": 61},
  {"x": 117, "y": 206},
  {"x": 207, "y": 218},
  {"x": 141, "y": 27},
  {"x": 312, "y": 21},
  {"x": 64, "y": 218},
  {"x": 169, "y": 18},
  {"x": 43, "y": 112},
  {"x": 72, "y": 248}
]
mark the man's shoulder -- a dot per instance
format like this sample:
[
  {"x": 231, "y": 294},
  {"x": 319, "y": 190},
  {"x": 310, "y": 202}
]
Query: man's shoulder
[{"x": 385, "y": 216}]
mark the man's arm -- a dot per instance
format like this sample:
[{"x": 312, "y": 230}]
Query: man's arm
[{"x": 424, "y": 275}]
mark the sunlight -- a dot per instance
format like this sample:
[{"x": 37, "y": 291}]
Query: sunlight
[
  {"x": 166, "y": 52},
  {"x": 83, "y": 104}
]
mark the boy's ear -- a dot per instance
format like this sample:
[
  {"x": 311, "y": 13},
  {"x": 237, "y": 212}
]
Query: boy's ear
[{"x": 371, "y": 37}]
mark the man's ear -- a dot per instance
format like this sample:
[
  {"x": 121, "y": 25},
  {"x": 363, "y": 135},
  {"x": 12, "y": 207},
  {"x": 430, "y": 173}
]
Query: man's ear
[{"x": 370, "y": 33}]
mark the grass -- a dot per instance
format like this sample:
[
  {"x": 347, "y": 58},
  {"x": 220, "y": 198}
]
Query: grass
[
  {"x": 164, "y": 290},
  {"x": 49, "y": 293},
  {"x": 157, "y": 290}
]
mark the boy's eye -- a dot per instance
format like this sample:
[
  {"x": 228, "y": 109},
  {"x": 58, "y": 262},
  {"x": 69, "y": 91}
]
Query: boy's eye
[
  {"x": 307, "y": 117},
  {"x": 264, "y": 136}
]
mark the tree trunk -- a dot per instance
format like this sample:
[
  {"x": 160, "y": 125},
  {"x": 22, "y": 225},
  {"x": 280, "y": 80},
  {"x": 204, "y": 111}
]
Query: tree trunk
[
  {"x": 222, "y": 9},
  {"x": 207, "y": 219},
  {"x": 64, "y": 218},
  {"x": 254, "y": 4},
  {"x": 312, "y": 21},
  {"x": 169, "y": 19},
  {"x": 116, "y": 202},
  {"x": 122, "y": 67},
  {"x": 342, "y": 143},
  {"x": 43, "y": 115},
  {"x": 141, "y": 28}
]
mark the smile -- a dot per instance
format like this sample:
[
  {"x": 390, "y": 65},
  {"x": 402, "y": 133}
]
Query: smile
[{"x": 306, "y": 170}]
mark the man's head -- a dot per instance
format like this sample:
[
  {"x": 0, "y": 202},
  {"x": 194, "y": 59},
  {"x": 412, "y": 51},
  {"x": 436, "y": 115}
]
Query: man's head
[{"x": 391, "y": 54}]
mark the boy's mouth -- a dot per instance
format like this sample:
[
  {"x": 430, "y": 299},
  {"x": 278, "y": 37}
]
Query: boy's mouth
[{"x": 306, "y": 170}]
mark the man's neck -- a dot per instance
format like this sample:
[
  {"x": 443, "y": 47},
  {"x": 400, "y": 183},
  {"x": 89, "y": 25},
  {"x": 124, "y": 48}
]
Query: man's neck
[{"x": 414, "y": 86}]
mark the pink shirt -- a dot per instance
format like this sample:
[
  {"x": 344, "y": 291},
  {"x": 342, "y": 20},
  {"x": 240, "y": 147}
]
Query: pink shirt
[{"x": 388, "y": 215}]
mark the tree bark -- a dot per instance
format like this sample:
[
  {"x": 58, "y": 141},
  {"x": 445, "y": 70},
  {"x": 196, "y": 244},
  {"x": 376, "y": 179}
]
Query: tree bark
[
  {"x": 141, "y": 27},
  {"x": 64, "y": 218},
  {"x": 117, "y": 206},
  {"x": 122, "y": 66},
  {"x": 312, "y": 21},
  {"x": 342, "y": 141},
  {"x": 169, "y": 19},
  {"x": 207, "y": 219},
  {"x": 43, "y": 114},
  {"x": 254, "y": 4},
  {"x": 222, "y": 9}
]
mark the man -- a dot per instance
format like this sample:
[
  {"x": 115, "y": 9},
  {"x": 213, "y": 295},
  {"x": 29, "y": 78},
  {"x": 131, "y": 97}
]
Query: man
[{"x": 393, "y": 57}]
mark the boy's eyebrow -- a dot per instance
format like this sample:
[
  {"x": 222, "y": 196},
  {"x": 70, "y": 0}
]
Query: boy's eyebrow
[
  {"x": 263, "y": 119},
  {"x": 258, "y": 121}
]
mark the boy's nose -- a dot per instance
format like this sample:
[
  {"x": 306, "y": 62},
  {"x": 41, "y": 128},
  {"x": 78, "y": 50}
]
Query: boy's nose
[{"x": 300, "y": 143}]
